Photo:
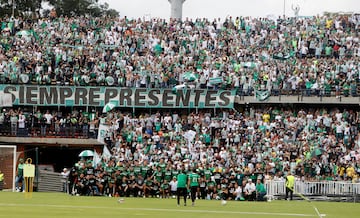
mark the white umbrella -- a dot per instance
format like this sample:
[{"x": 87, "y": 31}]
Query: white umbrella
[
  {"x": 86, "y": 153},
  {"x": 108, "y": 107}
]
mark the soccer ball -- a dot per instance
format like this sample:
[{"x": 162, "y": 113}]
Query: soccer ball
[{"x": 223, "y": 202}]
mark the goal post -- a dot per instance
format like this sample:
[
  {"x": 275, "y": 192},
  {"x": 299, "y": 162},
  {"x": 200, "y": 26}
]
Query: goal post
[{"x": 8, "y": 159}]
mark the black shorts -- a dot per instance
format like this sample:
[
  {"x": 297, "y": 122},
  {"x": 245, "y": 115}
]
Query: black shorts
[{"x": 181, "y": 191}]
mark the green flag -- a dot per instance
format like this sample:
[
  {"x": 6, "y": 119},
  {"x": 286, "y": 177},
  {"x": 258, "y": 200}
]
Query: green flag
[
  {"x": 216, "y": 80},
  {"x": 262, "y": 95}
]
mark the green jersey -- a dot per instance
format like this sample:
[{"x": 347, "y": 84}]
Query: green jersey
[
  {"x": 137, "y": 170},
  {"x": 181, "y": 178},
  {"x": 194, "y": 179},
  {"x": 144, "y": 171},
  {"x": 207, "y": 174},
  {"x": 20, "y": 169},
  {"x": 175, "y": 172},
  {"x": 164, "y": 186},
  {"x": 162, "y": 165},
  {"x": 158, "y": 176},
  {"x": 167, "y": 175}
]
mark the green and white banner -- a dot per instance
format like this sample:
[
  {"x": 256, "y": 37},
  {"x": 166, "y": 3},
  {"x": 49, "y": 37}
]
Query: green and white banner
[
  {"x": 216, "y": 80},
  {"x": 120, "y": 97},
  {"x": 262, "y": 95}
]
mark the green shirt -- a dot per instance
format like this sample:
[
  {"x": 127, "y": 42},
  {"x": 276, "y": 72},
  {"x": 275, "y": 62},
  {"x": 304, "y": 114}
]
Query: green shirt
[
  {"x": 167, "y": 175},
  {"x": 207, "y": 173},
  {"x": 164, "y": 186},
  {"x": 137, "y": 170},
  {"x": 157, "y": 126},
  {"x": 194, "y": 179},
  {"x": 162, "y": 165},
  {"x": 175, "y": 173},
  {"x": 158, "y": 176},
  {"x": 144, "y": 170},
  {"x": 260, "y": 188},
  {"x": 181, "y": 178},
  {"x": 20, "y": 169}
]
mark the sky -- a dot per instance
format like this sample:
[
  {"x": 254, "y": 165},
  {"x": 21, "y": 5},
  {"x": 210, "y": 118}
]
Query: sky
[{"x": 223, "y": 8}]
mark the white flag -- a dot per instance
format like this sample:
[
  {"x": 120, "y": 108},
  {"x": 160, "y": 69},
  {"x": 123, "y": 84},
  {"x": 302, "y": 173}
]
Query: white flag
[
  {"x": 106, "y": 153},
  {"x": 189, "y": 135},
  {"x": 103, "y": 130},
  {"x": 96, "y": 159},
  {"x": 5, "y": 100}
]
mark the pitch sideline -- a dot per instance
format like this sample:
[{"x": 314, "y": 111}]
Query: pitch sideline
[{"x": 159, "y": 209}]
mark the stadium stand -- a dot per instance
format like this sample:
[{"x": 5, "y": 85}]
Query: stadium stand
[{"x": 312, "y": 56}]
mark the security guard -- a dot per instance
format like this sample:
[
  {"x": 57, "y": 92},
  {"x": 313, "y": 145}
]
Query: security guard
[
  {"x": 290, "y": 183},
  {"x": 1, "y": 180}
]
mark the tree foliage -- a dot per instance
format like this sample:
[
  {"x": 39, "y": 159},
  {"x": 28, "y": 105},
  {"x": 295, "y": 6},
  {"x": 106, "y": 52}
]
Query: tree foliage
[
  {"x": 62, "y": 7},
  {"x": 23, "y": 8}
]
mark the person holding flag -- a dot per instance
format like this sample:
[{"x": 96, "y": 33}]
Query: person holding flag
[{"x": 193, "y": 184}]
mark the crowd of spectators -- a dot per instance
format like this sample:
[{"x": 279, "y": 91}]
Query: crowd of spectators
[
  {"x": 48, "y": 123},
  {"x": 228, "y": 149},
  {"x": 319, "y": 53}
]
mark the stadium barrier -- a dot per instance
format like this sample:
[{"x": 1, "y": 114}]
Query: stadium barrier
[
  {"x": 49, "y": 181},
  {"x": 323, "y": 188}
]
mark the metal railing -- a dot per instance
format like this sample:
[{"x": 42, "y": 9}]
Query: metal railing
[
  {"x": 324, "y": 188},
  {"x": 354, "y": 92}
]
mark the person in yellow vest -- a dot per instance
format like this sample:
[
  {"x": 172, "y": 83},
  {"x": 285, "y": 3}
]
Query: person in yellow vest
[
  {"x": 290, "y": 183},
  {"x": 1, "y": 180}
]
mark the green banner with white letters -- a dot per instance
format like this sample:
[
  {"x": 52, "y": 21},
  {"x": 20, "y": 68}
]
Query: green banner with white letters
[{"x": 122, "y": 97}]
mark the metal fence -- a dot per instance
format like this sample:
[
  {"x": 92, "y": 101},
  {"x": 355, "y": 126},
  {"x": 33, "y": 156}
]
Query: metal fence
[{"x": 324, "y": 188}]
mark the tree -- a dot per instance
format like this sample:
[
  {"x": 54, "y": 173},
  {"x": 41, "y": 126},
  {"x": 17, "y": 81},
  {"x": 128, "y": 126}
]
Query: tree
[
  {"x": 24, "y": 8},
  {"x": 27, "y": 8},
  {"x": 81, "y": 7}
]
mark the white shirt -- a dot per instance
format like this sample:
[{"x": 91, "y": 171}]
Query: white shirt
[
  {"x": 48, "y": 118},
  {"x": 173, "y": 185},
  {"x": 250, "y": 187},
  {"x": 21, "y": 121},
  {"x": 238, "y": 192}
]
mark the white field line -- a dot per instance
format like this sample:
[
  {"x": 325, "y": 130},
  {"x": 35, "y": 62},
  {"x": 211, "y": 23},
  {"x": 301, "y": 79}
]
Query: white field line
[
  {"x": 318, "y": 213},
  {"x": 159, "y": 209}
]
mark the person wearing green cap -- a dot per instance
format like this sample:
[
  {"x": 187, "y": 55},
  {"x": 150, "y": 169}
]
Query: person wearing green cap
[{"x": 20, "y": 176}]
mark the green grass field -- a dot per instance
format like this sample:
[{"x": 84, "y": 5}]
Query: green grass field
[{"x": 47, "y": 205}]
